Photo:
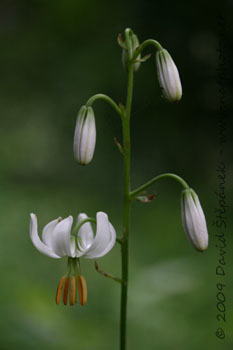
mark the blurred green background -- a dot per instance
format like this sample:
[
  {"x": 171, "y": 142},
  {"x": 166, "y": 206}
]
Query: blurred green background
[{"x": 54, "y": 56}]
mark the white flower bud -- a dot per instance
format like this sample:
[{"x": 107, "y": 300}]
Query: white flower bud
[
  {"x": 193, "y": 220},
  {"x": 168, "y": 75},
  {"x": 85, "y": 135},
  {"x": 127, "y": 55}
]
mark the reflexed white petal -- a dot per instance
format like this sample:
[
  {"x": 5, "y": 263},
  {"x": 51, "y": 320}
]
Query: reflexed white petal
[
  {"x": 111, "y": 243},
  {"x": 105, "y": 238},
  {"x": 43, "y": 248},
  {"x": 62, "y": 242},
  {"x": 85, "y": 234},
  {"x": 47, "y": 232}
]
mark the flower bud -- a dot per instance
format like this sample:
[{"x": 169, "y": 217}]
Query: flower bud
[
  {"x": 168, "y": 75},
  {"x": 85, "y": 135},
  {"x": 128, "y": 54},
  {"x": 193, "y": 220}
]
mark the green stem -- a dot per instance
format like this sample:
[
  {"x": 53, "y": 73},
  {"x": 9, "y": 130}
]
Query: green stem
[
  {"x": 76, "y": 266},
  {"x": 145, "y": 43},
  {"x": 119, "y": 240},
  {"x": 105, "y": 98},
  {"x": 69, "y": 265},
  {"x": 157, "y": 178},
  {"x": 127, "y": 204}
]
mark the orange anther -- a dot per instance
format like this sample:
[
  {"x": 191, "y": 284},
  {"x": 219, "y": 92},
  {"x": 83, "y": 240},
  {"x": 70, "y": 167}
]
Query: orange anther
[
  {"x": 72, "y": 291},
  {"x": 82, "y": 289},
  {"x": 65, "y": 292},
  {"x": 59, "y": 290}
]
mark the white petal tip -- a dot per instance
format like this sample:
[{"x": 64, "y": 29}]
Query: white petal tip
[{"x": 201, "y": 248}]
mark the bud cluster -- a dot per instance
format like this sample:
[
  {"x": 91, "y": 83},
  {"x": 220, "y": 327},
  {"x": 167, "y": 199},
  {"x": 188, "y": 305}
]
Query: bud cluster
[{"x": 128, "y": 51}]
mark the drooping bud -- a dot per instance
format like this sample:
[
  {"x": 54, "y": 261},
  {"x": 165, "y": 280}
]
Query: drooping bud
[
  {"x": 85, "y": 135},
  {"x": 193, "y": 220},
  {"x": 127, "y": 54},
  {"x": 82, "y": 290},
  {"x": 168, "y": 76}
]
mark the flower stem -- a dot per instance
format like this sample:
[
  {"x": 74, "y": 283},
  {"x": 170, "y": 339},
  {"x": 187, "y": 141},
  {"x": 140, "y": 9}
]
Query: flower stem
[
  {"x": 127, "y": 204},
  {"x": 105, "y": 98},
  {"x": 157, "y": 178},
  {"x": 146, "y": 43}
]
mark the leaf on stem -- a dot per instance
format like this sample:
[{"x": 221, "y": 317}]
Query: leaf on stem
[
  {"x": 106, "y": 274},
  {"x": 117, "y": 143},
  {"x": 146, "y": 198},
  {"x": 144, "y": 59},
  {"x": 121, "y": 41}
]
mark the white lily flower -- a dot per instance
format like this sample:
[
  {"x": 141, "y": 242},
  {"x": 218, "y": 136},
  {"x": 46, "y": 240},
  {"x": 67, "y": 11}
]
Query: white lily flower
[
  {"x": 168, "y": 76},
  {"x": 85, "y": 135},
  {"x": 57, "y": 242},
  {"x": 193, "y": 220}
]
